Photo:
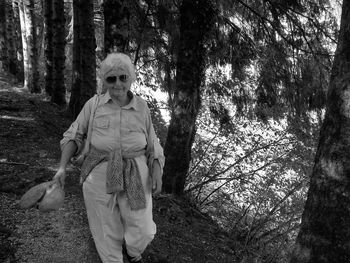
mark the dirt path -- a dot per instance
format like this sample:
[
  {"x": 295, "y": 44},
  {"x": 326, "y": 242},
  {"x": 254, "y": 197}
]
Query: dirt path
[
  {"x": 30, "y": 130},
  {"x": 29, "y": 139}
]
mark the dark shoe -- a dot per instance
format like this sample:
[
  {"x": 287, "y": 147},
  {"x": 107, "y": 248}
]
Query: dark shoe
[{"x": 130, "y": 259}]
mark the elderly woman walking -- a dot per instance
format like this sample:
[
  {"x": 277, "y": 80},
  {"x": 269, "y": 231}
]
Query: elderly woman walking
[{"x": 123, "y": 166}]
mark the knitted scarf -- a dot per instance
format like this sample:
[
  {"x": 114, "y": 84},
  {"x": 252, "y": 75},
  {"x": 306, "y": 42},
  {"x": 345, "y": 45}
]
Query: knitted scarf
[{"x": 122, "y": 174}]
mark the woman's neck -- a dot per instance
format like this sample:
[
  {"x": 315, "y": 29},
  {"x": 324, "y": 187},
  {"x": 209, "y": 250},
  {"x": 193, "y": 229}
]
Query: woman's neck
[{"x": 121, "y": 101}]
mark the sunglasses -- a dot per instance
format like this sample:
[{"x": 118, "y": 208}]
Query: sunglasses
[{"x": 113, "y": 79}]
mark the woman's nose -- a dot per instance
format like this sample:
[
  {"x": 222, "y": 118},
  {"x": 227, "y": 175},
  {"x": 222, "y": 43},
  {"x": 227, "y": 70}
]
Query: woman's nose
[{"x": 118, "y": 83}]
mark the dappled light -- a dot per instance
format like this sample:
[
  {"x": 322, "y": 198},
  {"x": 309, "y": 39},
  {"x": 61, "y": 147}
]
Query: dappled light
[
  {"x": 16, "y": 118},
  {"x": 15, "y": 89},
  {"x": 226, "y": 121}
]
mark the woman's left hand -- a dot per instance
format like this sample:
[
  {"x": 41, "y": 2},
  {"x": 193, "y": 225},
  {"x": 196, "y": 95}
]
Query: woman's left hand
[{"x": 156, "y": 178}]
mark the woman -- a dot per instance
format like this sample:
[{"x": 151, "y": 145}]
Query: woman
[{"x": 122, "y": 168}]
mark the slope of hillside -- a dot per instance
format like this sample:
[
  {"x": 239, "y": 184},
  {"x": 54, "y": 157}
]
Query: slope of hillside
[{"x": 30, "y": 130}]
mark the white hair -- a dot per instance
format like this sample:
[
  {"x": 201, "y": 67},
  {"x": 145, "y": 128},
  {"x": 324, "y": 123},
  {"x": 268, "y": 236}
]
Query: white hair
[{"x": 117, "y": 60}]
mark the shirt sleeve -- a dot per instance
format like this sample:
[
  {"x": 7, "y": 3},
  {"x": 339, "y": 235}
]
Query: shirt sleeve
[
  {"x": 154, "y": 149},
  {"x": 78, "y": 129}
]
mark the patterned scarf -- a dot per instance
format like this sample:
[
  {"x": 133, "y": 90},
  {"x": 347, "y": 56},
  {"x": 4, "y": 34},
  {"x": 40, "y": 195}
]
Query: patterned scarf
[{"x": 122, "y": 174}]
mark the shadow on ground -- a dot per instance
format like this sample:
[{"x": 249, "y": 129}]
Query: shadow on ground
[{"x": 30, "y": 130}]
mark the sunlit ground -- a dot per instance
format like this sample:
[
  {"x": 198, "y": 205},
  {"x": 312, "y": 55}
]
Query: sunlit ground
[
  {"x": 6, "y": 117},
  {"x": 4, "y": 87}
]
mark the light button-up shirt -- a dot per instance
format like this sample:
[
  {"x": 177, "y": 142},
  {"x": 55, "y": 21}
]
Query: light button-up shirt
[{"x": 129, "y": 127}]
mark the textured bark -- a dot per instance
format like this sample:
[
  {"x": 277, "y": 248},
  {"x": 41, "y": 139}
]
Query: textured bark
[
  {"x": 117, "y": 16},
  {"x": 27, "y": 68},
  {"x": 47, "y": 5},
  {"x": 32, "y": 43},
  {"x": 325, "y": 229},
  {"x": 28, "y": 30},
  {"x": 13, "y": 65},
  {"x": 99, "y": 28},
  {"x": 84, "y": 59},
  {"x": 18, "y": 41},
  {"x": 99, "y": 23},
  {"x": 3, "y": 36},
  {"x": 196, "y": 20},
  {"x": 58, "y": 43}
]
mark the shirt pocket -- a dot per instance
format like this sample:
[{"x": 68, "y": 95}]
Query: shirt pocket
[
  {"x": 101, "y": 124},
  {"x": 133, "y": 123}
]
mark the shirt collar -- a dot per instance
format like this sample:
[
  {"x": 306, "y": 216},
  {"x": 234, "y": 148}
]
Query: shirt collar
[{"x": 132, "y": 104}]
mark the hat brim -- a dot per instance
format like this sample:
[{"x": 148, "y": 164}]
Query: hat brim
[
  {"x": 53, "y": 198},
  {"x": 34, "y": 194}
]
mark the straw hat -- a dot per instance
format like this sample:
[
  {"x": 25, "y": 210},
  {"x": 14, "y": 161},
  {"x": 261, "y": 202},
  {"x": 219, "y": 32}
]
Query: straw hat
[{"x": 46, "y": 196}]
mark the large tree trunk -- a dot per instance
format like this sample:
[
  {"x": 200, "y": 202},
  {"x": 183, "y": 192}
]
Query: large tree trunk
[
  {"x": 27, "y": 68},
  {"x": 84, "y": 59},
  {"x": 47, "y": 6},
  {"x": 325, "y": 229},
  {"x": 12, "y": 40},
  {"x": 18, "y": 40},
  {"x": 32, "y": 43},
  {"x": 117, "y": 16},
  {"x": 3, "y": 36},
  {"x": 58, "y": 44},
  {"x": 26, "y": 10},
  {"x": 99, "y": 36},
  {"x": 196, "y": 20},
  {"x": 99, "y": 23}
]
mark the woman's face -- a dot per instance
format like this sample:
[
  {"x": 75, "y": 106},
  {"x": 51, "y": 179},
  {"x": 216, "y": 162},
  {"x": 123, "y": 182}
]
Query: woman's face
[{"x": 118, "y": 84}]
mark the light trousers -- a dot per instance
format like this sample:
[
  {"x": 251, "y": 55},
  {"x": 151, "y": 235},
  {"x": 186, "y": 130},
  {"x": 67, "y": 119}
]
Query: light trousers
[{"x": 111, "y": 228}]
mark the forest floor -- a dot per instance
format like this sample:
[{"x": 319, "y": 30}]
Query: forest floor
[{"x": 30, "y": 130}]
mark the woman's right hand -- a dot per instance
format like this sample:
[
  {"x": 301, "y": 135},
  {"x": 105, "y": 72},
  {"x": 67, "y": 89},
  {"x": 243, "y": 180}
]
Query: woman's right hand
[{"x": 60, "y": 177}]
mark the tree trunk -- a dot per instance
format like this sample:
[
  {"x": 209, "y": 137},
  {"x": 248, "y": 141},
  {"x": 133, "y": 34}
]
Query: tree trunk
[
  {"x": 32, "y": 43},
  {"x": 26, "y": 10},
  {"x": 12, "y": 40},
  {"x": 99, "y": 28},
  {"x": 18, "y": 40},
  {"x": 3, "y": 36},
  {"x": 84, "y": 58},
  {"x": 47, "y": 6},
  {"x": 27, "y": 67},
  {"x": 325, "y": 229},
  {"x": 58, "y": 44},
  {"x": 99, "y": 36},
  {"x": 117, "y": 16},
  {"x": 196, "y": 20}
]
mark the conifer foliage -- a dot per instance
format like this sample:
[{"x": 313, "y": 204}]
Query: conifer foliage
[{"x": 246, "y": 83}]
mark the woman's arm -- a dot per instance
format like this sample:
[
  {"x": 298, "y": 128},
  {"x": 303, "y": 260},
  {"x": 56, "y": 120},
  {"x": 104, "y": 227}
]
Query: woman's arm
[
  {"x": 79, "y": 128},
  {"x": 71, "y": 143},
  {"x": 67, "y": 153}
]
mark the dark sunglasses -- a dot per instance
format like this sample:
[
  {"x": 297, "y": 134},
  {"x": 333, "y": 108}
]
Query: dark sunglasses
[{"x": 113, "y": 79}]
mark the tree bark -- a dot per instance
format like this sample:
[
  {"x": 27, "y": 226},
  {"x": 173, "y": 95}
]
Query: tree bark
[
  {"x": 99, "y": 23},
  {"x": 28, "y": 31},
  {"x": 58, "y": 44},
  {"x": 196, "y": 20},
  {"x": 117, "y": 16},
  {"x": 325, "y": 230},
  {"x": 3, "y": 36},
  {"x": 12, "y": 40},
  {"x": 27, "y": 68},
  {"x": 47, "y": 6},
  {"x": 84, "y": 58},
  {"x": 33, "y": 43},
  {"x": 18, "y": 40}
]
